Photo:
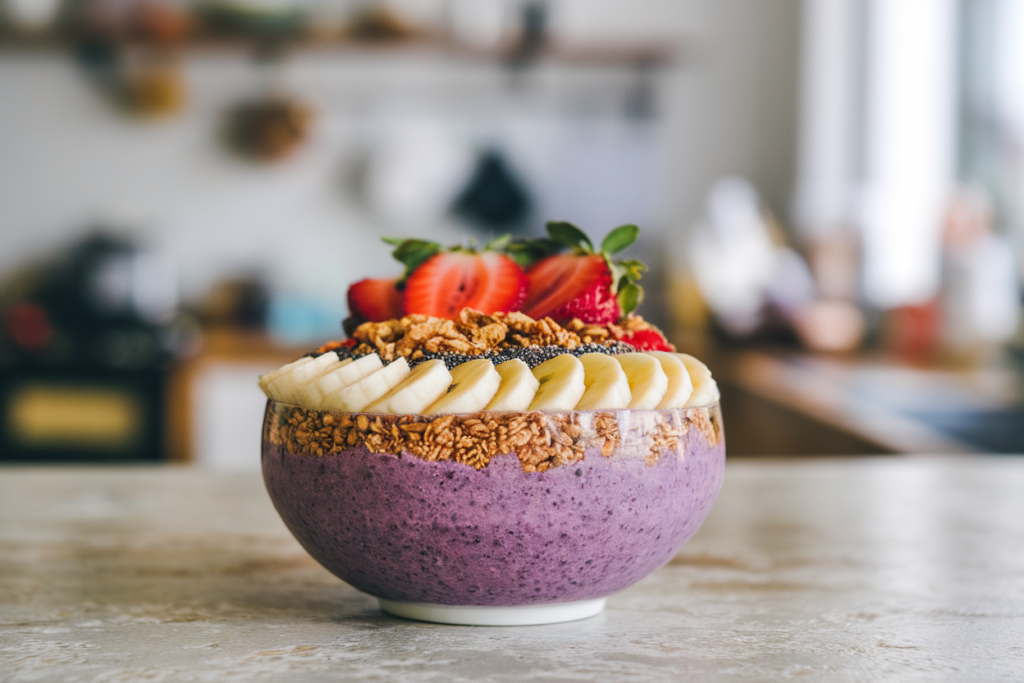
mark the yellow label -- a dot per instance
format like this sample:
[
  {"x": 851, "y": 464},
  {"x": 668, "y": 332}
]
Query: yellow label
[{"x": 42, "y": 415}]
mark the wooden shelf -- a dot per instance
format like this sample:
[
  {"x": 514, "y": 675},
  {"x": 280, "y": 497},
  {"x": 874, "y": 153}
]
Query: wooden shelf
[{"x": 644, "y": 56}]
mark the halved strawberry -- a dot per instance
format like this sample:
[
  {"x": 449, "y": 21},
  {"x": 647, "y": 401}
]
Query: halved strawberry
[
  {"x": 447, "y": 282},
  {"x": 584, "y": 283},
  {"x": 648, "y": 340},
  {"x": 503, "y": 287},
  {"x": 375, "y": 300},
  {"x": 568, "y": 286}
]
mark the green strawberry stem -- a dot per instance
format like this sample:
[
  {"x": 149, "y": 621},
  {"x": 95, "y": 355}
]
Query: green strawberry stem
[{"x": 411, "y": 253}]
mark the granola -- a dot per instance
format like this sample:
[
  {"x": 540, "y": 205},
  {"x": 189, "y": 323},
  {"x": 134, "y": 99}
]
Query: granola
[
  {"x": 475, "y": 333},
  {"x": 540, "y": 440}
]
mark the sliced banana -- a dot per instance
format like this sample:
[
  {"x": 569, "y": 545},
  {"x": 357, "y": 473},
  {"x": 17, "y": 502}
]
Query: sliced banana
[
  {"x": 595, "y": 381},
  {"x": 562, "y": 383},
  {"x": 705, "y": 388},
  {"x": 647, "y": 381},
  {"x": 266, "y": 379},
  {"x": 607, "y": 385},
  {"x": 350, "y": 373},
  {"x": 284, "y": 388},
  {"x": 426, "y": 383},
  {"x": 474, "y": 384},
  {"x": 362, "y": 393},
  {"x": 680, "y": 386},
  {"x": 309, "y": 395},
  {"x": 517, "y": 389}
]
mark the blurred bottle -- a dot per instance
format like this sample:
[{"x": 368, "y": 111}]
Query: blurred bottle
[
  {"x": 745, "y": 272},
  {"x": 980, "y": 298},
  {"x": 833, "y": 322},
  {"x": 31, "y": 16}
]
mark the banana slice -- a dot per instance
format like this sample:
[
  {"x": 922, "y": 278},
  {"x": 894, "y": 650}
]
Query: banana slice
[
  {"x": 680, "y": 386},
  {"x": 705, "y": 388},
  {"x": 561, "y": 383},
  {"x": 342, "y": 376},
  {"x": 308, "y": 395},
  {"x": 474, "y": 384},
  {"x": 284, "y": 387},
  {"x": 425, "y": 384},
  {"x": 607, "y": 385},
  {"x": 518, "y": 387},
  {"x": 358, "y": 395},
  {"x": 647, "y": 381},
  {"x": 266, "y": 379}
]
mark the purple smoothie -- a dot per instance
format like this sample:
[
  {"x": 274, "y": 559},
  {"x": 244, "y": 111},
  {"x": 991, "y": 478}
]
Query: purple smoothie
[{"x": 406, "y": 529}]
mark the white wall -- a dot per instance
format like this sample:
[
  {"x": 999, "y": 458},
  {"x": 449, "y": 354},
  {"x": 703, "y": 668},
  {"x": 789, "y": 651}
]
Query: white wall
[
  {"x": 735, "y": 104},
  {"x": 66, "y": 156},
  {"x": 910, "y": 147}
]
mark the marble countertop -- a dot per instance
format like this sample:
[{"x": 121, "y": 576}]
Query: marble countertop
[{"x": 894, "y": 568}]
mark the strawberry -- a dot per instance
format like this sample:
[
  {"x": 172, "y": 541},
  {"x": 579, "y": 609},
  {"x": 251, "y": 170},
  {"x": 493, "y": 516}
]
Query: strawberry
[
  {"x": 449, "y": 281},
  {"x": 648, "y": 340},
  {"x": 335, "y": 345},
  {"x": 566, "y": 286},
  {"x": 583, "y": 283},
  {"x": 375, "y": 300},
  {"x": 504, "y": 288}
]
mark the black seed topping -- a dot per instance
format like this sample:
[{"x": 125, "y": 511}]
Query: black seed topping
[{"x": 531, "y": 355}]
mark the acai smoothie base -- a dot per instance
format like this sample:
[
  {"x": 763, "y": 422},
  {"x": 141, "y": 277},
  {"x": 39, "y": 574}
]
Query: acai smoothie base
[{"x": 600, "y": 511}]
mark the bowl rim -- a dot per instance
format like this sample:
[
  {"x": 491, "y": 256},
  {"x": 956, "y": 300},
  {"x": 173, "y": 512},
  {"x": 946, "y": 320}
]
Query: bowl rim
[{"x": 498, "y": 412}]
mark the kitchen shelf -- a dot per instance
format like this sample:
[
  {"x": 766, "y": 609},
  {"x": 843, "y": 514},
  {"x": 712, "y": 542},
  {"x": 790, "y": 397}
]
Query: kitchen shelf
[{"x": 646, "y": 56}]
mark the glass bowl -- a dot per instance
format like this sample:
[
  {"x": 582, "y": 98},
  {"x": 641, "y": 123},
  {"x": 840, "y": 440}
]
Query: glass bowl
[{"x": 494, "y": 518}]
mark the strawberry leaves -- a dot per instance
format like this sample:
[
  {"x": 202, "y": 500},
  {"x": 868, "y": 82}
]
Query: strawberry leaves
[
  {"x": 528, "y": 252},
  {"x": 411, "y": 253},
  {"x": 619, "y": 238},
  {"x": 630, "y": 296},
  {"x": 569, "y": 235},
  {"x": 499, "y": 244},
  {"x": 625, "y": 275}
]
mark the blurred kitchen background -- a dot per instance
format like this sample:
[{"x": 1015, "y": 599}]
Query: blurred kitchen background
[{"x": 831, "y": 194}]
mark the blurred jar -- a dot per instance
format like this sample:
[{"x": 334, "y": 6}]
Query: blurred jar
[
  {"x": 31, "y": 16},
  {"x": 980, "y": 297}
]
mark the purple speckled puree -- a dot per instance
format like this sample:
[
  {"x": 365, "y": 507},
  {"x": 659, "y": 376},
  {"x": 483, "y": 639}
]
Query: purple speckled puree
[{"x": 405, "y": 529}]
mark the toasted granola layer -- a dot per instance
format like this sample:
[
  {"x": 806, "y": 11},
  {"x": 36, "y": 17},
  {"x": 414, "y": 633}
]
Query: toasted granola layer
[
  {"x": 540, "y": 440},
  {"x": 475, "y": 334}
]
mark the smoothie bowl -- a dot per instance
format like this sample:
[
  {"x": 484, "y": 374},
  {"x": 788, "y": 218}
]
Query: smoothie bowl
[
  {"x": 494, "y": 444},
  {"x": 615, "y": 496}
]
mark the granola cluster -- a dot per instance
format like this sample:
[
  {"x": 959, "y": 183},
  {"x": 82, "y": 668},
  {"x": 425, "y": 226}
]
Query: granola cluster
[
  {"x": 475, "y": 333},
  {"x": 540, "y": 440}
]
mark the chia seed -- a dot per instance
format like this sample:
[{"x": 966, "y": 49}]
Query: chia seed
[{"x": 531, "y": 355}]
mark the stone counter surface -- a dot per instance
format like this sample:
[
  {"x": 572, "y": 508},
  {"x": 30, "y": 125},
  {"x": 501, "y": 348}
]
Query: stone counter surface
[{"x": 822, "y": 570}]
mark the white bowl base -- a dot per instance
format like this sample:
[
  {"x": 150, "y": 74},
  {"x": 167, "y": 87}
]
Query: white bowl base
[{"x": 525, "y": 615}]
